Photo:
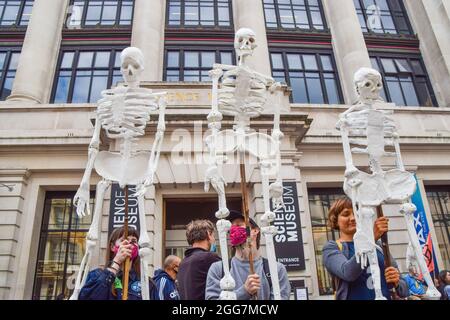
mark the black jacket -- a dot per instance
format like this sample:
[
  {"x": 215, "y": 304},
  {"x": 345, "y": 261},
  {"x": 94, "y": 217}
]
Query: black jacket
[{"x": 193, "y": 272}]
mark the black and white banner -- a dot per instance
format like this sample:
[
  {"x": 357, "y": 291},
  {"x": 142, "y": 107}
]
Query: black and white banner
[
  {"x": 288, "y": 242},
  {"x": 117, "y": 208}
]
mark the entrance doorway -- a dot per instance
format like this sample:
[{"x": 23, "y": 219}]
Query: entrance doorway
[{"x": 179, "y": 212}]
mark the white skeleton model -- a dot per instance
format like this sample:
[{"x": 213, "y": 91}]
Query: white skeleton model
[
  {"x": 366, "y": 130},
  {"x": 123, "y": 113},
  {"x": 243, "y": 94}
]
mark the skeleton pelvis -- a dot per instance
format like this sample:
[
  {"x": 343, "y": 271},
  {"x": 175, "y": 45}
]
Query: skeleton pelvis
[
  {"x": 394, "y": 186},
  {"x": 126, "y": 171},
  {"x": 259, "y": 145}
]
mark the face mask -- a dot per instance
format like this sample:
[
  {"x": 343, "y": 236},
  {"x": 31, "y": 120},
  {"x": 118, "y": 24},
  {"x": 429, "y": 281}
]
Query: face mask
[
  {"x": 134, "y": 251},
  {"x": 238, "y": 235},
  {"x": 213, "y": 247}
]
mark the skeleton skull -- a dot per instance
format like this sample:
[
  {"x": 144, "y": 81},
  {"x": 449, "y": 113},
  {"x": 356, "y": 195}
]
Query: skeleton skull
[
  {"x": 244, "y": 42},
  {"x": 368, "y": 84},
  {"x": 132, "y": 64}
]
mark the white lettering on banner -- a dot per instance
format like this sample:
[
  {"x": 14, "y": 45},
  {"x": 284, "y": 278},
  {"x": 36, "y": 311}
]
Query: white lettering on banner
[
  {"x": 118, "y": 209},
  {"x": 418, "y": 226},
  {"x": 285, "y": 219}
]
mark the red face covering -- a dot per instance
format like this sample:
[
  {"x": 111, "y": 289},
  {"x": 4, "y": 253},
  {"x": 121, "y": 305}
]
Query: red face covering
[
  {"x": 134, "y": 251},
  {"x": 238, "y": 235}
]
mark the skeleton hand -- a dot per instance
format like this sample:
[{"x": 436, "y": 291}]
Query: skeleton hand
[
  {"x": 142, "y": 189},
  {"x": 213, "y": 177},
  {"x": 81, "y": 200},
  {"x": 276, "y": 193},
  {"x": 363, "y": 248}
]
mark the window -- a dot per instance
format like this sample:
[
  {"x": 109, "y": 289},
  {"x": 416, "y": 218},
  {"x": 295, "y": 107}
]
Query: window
[
  {"x": 88, "y": 13},
  {"x": 294, "y": 14},
  {"x": 15, "y": 12},
  {"x": 82, "y": 75},
  {"x": 383, "y": 16},
  {"x": 405, "y": 81},
  {"x": 195, "y": 13},
  {"x": 311, "y": 76},
  {"x": 8, "y": 66},
  {"x": 61, "y": 246},
  {"x": 186, "y": 65},
  {"x": 320, "y": 201},
  {"x": 439, "y": 200}
]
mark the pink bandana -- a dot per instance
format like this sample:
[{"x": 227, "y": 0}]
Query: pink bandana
[
  {"x": 134, "y": 251},
  {"x": 238, "y": 235}
]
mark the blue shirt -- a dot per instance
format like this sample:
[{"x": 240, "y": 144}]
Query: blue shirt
[
  {"x": 362, "y": 287},
  {"x": 415, "y": 286}
]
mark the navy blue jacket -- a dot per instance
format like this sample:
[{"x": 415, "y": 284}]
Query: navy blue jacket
[
  {"x": 165, "y": 287},
  {"x": 347, "y": 270},
  {"x": 99, "y": 285}
]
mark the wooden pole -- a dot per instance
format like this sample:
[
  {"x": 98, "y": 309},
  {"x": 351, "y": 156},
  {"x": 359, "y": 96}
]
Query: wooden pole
[
  {"x": 246, "y": 216},
  {"x": 387, "y": 255},
  {"x": 246, "y": 213},
  {"x": 126, "y": 268}
]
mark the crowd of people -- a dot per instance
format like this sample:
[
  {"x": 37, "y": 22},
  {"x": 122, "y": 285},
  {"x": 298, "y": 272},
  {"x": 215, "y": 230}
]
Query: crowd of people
[{"x": 197, "y": 276}]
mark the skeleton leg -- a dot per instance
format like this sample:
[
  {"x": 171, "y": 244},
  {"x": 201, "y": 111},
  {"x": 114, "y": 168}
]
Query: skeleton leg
[
  {"x": 269, "y": 232},
  {"x": 376, "y": 275},
  {"x": 144, "y": 250},
  {"x": 91, "y": 239},
  {"x": 408, "y": 209},
  {"x": 365, "y": 247},
  {"x": 227, "y": 283}
]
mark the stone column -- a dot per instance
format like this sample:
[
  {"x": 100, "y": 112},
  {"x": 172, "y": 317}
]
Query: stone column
[
  {"x": 13, "y": 184},
  {"x": 148, "y": 35},
  {"x": 250, "y": 14},
  {"x": 431, "y": 21},
  {"x": 37, "y": 63},
  {"x": 349, "y": 46}
]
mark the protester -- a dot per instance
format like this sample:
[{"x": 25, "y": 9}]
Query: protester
[
  {"x": 444, "y": 284},
  {"x": 247, "y": 285},
  {"x": 166, "y": 288},
  {"x": 417, "y": 287},
  {"x": 351, "y": 281},
  {"x": 194, "y": 267},
  {"x": 106, "y": 283}
]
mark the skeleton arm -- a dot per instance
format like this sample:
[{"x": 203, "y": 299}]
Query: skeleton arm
[
  {"x": 276, "y": 188},
  {"x": 342, "y": 125},
  {"x": 156, "y": 148},
  {"x": 81, "y": 199}
]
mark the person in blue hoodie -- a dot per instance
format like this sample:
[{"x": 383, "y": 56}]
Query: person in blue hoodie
[
  {"x": 166, "y": 288},
  {"x": 106, "y": 283}
]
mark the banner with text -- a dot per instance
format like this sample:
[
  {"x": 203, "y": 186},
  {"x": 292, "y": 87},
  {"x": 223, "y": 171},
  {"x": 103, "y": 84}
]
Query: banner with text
[
  {"x": 117, "y": 208},
  {"x": 423, "y": 231},
  {"x": 288, "y": 242}
]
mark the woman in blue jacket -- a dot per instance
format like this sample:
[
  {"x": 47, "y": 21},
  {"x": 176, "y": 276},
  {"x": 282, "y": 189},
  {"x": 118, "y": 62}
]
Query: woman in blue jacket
[
  {"x": 106, "y": 283},
  {"x": 351, "y": 281}
]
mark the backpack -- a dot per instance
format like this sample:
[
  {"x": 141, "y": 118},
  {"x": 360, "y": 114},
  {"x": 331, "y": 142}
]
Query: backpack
[{"x": 266, "y": 271}]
